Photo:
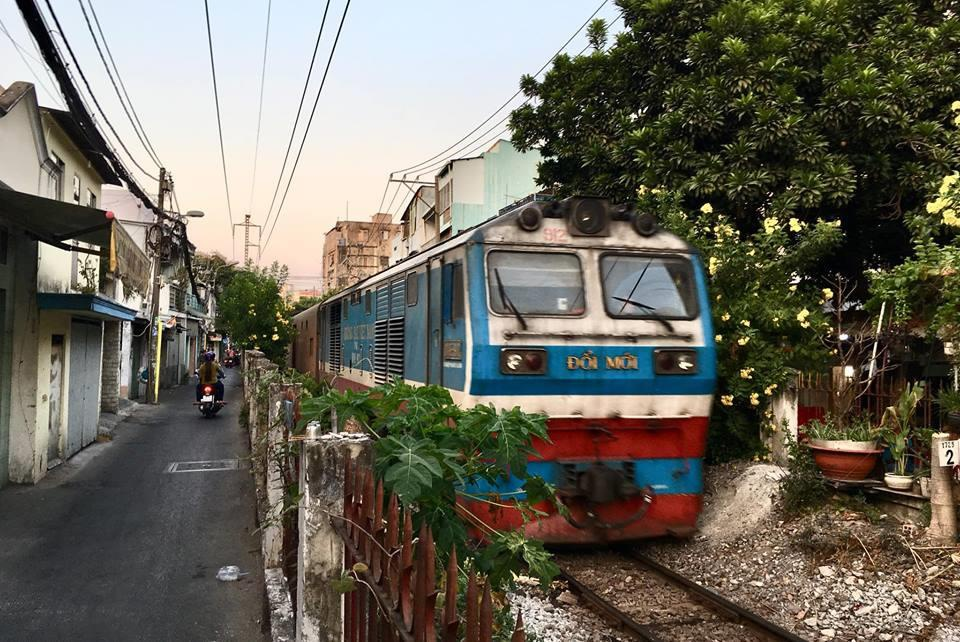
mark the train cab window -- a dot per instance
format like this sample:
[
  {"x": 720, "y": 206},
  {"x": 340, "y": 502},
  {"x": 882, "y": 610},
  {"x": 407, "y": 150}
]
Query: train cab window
[
  {"x": 412, "y": 288},
  {"x": 367, "y": 302},
  {"x": 638, "y": 286},
  {"x": 540, "y": 283}
]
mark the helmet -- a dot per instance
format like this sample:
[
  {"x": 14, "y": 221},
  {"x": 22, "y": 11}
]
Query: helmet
[{"x": 209, "y": 356}]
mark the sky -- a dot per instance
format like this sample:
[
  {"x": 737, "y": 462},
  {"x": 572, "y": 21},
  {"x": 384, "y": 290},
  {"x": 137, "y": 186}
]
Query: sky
[{"x": 408, "y": 79}]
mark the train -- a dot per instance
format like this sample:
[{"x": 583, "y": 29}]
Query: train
[{"x": 581, "y": 309}]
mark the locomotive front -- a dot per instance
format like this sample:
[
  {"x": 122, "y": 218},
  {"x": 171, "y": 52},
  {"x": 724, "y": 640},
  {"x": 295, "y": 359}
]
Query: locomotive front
[{"x": 591, "y": 314}]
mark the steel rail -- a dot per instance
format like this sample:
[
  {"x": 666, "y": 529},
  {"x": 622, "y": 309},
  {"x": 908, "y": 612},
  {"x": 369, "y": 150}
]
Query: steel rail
[
  {"x": 716, "y": 601},
  {"x": 610, "y": 612}
]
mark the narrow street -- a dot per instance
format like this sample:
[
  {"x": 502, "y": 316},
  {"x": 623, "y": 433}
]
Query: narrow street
[{"x": 111, "y": 546}]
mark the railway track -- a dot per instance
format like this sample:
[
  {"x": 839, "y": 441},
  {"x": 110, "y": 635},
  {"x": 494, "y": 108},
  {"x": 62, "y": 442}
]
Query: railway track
[{"x": 648, "y": 601}]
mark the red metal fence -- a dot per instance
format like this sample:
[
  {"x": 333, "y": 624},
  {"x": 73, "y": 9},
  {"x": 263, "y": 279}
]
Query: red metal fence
[
  {"x": 397, "y": 590},
  {"x": 816, "y": 397}
]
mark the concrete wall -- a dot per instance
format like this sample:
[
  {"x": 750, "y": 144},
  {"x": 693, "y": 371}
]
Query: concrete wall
[
  {"x": 25, "y": 462},
  {"x": 110, "y": 371},
  {"x": 508, "y": 176}
]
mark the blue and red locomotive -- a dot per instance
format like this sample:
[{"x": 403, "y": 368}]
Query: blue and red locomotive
[{"x": 578, "y": 309}]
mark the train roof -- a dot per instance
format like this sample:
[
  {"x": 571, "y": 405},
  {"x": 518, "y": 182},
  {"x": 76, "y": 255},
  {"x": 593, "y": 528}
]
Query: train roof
[{"x": 462, "y": 237}]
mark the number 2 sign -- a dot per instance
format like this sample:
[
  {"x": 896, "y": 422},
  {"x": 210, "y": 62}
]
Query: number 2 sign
[{"x": 949, "y": 455}]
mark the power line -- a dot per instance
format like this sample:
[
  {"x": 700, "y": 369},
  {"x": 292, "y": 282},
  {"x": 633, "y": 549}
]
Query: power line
[
  {"x": 296, "y": 120},
  {"x": 133, "y": 121},
  {"x": 23, "y": 53},
  {"x": 106, "y": 45},
  {"x": 306, "y": 130},
  {"x": 509, "y": 100},
  {"x": 93, "y": 96},
  {"x": 263, "y": 77},
  {"x": 216, "y": 100}
]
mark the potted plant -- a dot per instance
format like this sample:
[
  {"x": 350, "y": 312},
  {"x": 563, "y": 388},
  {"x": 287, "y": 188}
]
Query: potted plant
[
  {"x": 843, "y": 450},
  {"x": 896, "y": 431},
  {"x": 949, "y": 402}
]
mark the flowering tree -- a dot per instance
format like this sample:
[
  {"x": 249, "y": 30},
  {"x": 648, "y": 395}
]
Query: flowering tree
[
  {"x": 767, "y": 314},
  {"x": 254, "y": 314},
  {"x": 926, "y": 286}
]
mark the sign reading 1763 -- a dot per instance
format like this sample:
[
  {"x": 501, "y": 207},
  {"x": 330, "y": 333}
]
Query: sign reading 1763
[{"x": 949, "y": 455}]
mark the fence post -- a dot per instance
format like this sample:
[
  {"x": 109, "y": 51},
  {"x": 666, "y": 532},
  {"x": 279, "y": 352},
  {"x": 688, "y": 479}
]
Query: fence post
[
  {"x": 275, "y": 464},
  {"x": 943, "y": 510},
  {"x": 785, "y": 406},
  {"x": 320, "y": 555}
]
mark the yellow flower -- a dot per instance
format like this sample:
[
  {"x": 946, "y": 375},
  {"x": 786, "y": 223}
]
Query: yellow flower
[
  {"x": 275, "y": 337},
  {"x": 253, "y": 337},
  {"x": 751, "y": 252},
  {"x": 713, "y": 265},
  {"x": 937, "y": 205},
  {"x": 955, "y": 105},
  {"x": 743, "y": 341},
  {"x": 643, "y": 189},
  {"x": 726, "y": 400},
  {"x": 950, "y": 217},
  {"x": 795, "y": 225},
  {"x": 804, "y": 324},
  {"x": 803, "y": 314},
  {"x": 718, "y": 338},
  {"x": 746, "y": 373},
  {"x": 656, "y": 190},
  {"x": 793, "y": 288},
  {"x": 948, "y": 182},
  {"x": 725, "y": 317},
  {"x": 745, "y": 323},
  {"x": 827, "y": 293},
  {"x": 706, "y": 208},
  {"x": 776, "y": 321},
  {"x": 768, "y": 391},
  {"x": 770, "y": 224},
  {"x": 754, "y": 399}
]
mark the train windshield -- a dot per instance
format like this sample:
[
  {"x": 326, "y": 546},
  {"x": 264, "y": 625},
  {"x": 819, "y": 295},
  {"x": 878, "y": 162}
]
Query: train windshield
[
  {"x": 542, "y": 283},
  {"x": 653, "y": 287}
]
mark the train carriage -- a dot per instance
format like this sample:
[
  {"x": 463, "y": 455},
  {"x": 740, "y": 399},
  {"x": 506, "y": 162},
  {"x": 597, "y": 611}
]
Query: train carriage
[{"x": 578, "y": 309}]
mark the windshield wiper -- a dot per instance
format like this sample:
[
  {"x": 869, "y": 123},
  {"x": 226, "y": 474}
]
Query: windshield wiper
[
  {"x": 503, "y": 297},
  {"x": 643, "y": 306}
]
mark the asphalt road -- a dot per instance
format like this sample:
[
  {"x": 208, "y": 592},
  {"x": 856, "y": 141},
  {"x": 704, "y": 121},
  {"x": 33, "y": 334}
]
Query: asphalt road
[{"x": 110, "y": 546}]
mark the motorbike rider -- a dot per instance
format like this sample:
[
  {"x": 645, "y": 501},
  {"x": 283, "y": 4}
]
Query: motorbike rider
[{"x": 210, "y": 373}]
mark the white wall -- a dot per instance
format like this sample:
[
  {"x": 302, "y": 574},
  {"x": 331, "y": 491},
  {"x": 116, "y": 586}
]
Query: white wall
[
  {"x": 467, "y": 177},
  {"x": 20, "y": 160}
]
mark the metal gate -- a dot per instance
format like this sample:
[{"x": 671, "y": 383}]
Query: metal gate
[{"x": 83, "y": 411}]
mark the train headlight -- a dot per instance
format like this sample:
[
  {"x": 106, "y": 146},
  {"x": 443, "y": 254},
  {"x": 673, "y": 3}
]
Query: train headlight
[
  {"x": 588, "y": 216},
  {"x": 530, "y": 218},
  {"x": 523, "y": 361},
  {"x": 675, "y": 362},
  {"x": 645, "y": 223}
]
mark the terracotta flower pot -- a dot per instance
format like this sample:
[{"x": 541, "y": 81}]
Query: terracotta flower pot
[{"x": 845, "y": 463}]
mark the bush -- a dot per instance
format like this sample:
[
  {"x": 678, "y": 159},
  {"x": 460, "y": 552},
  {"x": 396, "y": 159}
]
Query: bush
[{"x": 803, "y": 487}]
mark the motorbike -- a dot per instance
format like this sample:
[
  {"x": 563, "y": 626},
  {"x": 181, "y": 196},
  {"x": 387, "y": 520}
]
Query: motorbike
[
  {"x": 208, "y": 404},
  {"x": 229, "y": 362}
]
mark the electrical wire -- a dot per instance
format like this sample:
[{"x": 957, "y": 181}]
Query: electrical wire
[
  {"x": 306, "y": 130},
  {"x": 514, "y": 96},
  {"x": 296, "y": 120},
  {"x": 23, "y": 53},
  {"x": 93, "y": 96},
  {"x": 136, "y": 118},
  {"x": 216, "y": 100},
  {"x": 263, "y": 77}
]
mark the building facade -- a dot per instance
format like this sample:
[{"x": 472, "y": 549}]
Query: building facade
[
  {"x": 418, "y": 224},
  {"x": 354, "y": 250},
  {"x": 67, "y": 274}
]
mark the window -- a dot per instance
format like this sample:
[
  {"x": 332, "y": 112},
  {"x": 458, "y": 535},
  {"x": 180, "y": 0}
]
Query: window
[
  {"x": 412, "y": 288},
  {"x": 76, "y": 189},
  {"x": 648, "y": 286},
  {"x": 367, "y": 302},
  {"x": 4, "y": 241},
  {"x": 384, "y": 261},
  {"x": 385, "y": 235},
  {"x": 55, "y": 178},
  {"x": 91, "y": 199},
  {"x": 546, "y": 283},
  {"x": 341, "y": 253}
]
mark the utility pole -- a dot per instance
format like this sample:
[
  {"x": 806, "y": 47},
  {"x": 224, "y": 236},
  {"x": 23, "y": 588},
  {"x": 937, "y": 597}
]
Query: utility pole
[
  {"x": 246, "y": 225},
  {"x": 158, "y": 232}
]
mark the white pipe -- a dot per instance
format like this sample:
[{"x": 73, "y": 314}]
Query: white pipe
[{"x": 876, "y": 342}]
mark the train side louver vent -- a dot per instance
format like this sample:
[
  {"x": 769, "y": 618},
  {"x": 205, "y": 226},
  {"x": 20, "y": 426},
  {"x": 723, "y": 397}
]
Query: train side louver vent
[
  {"x": 380, "y": 351},
  {"x": 395, "y": 348}
]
